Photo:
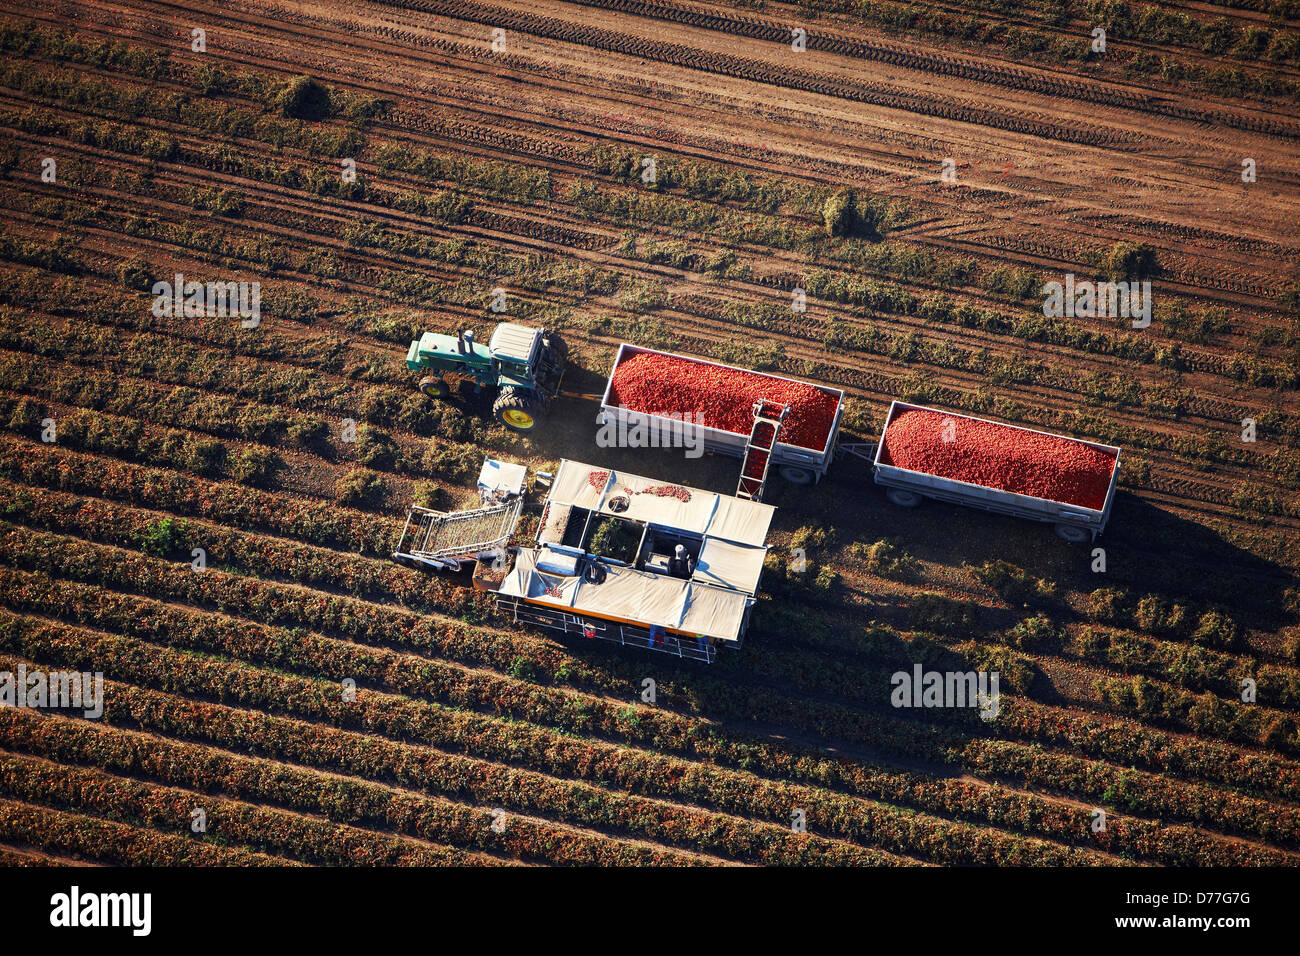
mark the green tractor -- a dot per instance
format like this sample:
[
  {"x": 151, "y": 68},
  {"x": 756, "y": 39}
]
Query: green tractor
[{"x": 523, "y": 364}]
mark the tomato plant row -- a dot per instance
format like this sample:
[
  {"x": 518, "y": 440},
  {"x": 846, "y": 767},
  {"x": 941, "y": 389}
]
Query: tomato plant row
[
  {"x": 1168, "y": 844},
  {"x": 86, "y": 837},
  {"x": 259, "y": 828},
  {"x": 209, "y": 678},
  {"x": 348, "y": 615}
]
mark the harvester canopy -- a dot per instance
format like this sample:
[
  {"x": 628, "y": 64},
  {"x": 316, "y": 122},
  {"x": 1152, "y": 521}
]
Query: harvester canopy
[{"x": 575, "y": 569}]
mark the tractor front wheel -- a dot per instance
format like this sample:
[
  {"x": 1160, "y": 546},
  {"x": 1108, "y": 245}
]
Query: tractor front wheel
[
  {"x": 434, "y": 387},
  {"x": 516, "y": 409}
]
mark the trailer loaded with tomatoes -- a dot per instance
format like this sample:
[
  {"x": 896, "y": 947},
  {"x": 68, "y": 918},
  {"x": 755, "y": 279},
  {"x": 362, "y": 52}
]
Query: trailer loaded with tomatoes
[
  {"x": 1007, "y": 469},
  {"x": 772, "y": 423}
]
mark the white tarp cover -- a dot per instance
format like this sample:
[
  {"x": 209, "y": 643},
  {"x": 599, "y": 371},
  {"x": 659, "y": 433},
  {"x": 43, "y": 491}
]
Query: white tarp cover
[
  {"x": 516, "y": 582},
  {"x": 721, "y": 516},
  {"x": 640, "y": 597},
  {"x": 525, "y": 581},
  {"x": 502, "y": 477},
  {"x": 728, "y": 565},
  {"x": 563, "y": 563},
  {"x": 735, "y": 519},
  {"x": 572, "y": 487},
  {"x": 665, "y": 510},
  {"x": 714, "y": 613},
  {"x": 633, "y": 595}
]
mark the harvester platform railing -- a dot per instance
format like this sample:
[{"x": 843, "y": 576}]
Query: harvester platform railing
[
  {"x": 768, "y": 417},
  {"x": 629, "y": 635},
  {"x": 443, "y": 539}
]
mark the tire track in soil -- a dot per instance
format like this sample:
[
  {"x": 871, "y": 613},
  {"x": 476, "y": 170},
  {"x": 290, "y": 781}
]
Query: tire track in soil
[{"x": 1190, "y": 290}]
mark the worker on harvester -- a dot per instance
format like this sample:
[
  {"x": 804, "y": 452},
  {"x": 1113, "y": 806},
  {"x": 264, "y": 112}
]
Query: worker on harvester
[{"x": 680, "y": 564}]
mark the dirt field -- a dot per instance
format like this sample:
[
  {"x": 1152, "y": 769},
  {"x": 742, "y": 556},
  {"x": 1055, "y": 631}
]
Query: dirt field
[{"x": 985, "y": 156}]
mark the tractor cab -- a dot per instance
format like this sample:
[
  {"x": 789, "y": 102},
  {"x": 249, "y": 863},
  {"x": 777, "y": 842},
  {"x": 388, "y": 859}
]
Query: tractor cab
[{"x": 524, "y": 364}]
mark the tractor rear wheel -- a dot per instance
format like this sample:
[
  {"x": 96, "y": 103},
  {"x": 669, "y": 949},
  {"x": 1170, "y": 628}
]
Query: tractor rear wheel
[
  {"x": 434, "y": 387},
  {"x": 516, "y": 409}
]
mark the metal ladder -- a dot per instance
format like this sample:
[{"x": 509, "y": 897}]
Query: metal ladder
[{"x": 768, "y": 417}]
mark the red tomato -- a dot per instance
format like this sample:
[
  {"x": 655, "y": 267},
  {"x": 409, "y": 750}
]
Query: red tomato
[
  {"x": 664, "y": 384},
  {"x": 998, "y": 456}
]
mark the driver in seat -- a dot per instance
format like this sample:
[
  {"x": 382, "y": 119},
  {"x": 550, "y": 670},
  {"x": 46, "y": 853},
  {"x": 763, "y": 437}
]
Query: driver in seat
[{"x": 679, "y": 565}]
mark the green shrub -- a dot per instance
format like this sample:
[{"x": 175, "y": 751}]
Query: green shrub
[
  {"x": 643, "y": 295},
  {"x": 1092, "y": 646},
  {"x": 135, "y": 274},
  {"x": 840, "y": 214},
  {"x": 1215, "y": 629},
  {"x": 1106, "y": 605},
  {"x": 306, "y": 431},
  {"x": 1158, "y": 616},
  {"x": 1291, "y": 645},
  {"x": 162, "y": 537},
  {"x": 204, "y": 456},
  {"x": 1035, "y": 633},
  {"x": 1014, "y": 585},
  {"x": 360, "y": 488},
  {"x": 884, "y": 557},
  {"x": 809, "y": 537},
  {"x": 253, "y": 465},
  {"x": 303, "y": 98},
  {"x": 376, "y": 449},
  {"x": 827, "y": 580},
  {"x": 1291, "y": 600},
  {"x": 1014, "y": 672},
  {"x": 428, "y": 495},
  {"x": 454, "y": 463},
  {"x": 26, "y": 414},
  {"x": 1128, "y": 260}
]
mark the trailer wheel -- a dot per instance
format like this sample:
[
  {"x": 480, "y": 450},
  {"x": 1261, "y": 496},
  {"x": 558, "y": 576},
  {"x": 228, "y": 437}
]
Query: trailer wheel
[
  {"x": 516, "y": 409},
  {"x": 904, "y": 499},
  {"x": 796, "y": 475},
  {"x": 434, "y": 387},
  {"x": 1072, "y": 533}
]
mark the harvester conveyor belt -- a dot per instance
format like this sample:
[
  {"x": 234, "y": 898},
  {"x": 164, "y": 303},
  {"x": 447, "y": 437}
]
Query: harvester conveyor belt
[{"x": 444, "y": 539}]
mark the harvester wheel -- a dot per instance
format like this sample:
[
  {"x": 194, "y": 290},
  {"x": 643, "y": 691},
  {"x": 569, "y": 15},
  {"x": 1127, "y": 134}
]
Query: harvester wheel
[
  {"x": 796, "y": 475},
  {"x": 516, "y": 409},
  {"x": 434, "y": 387}
]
